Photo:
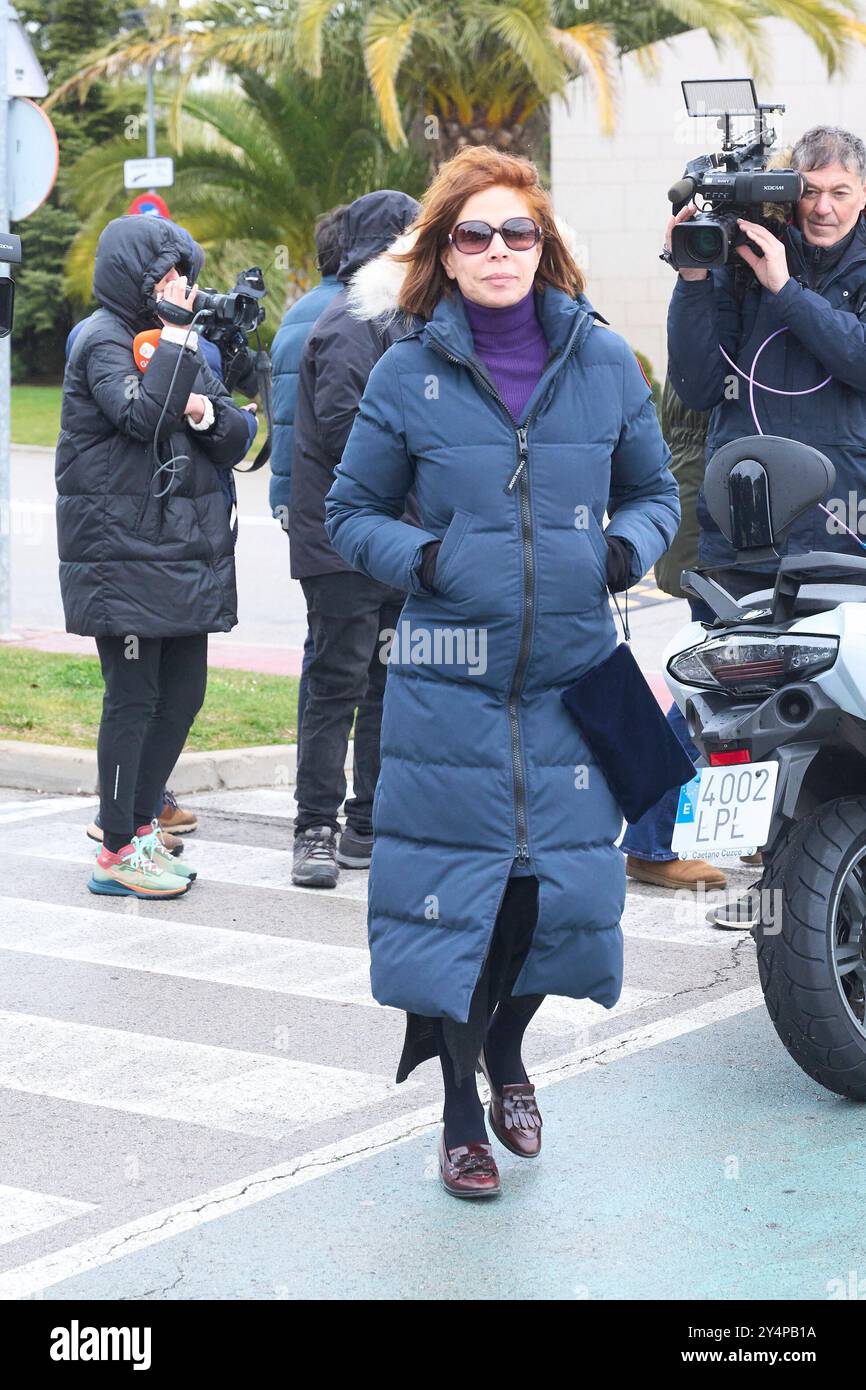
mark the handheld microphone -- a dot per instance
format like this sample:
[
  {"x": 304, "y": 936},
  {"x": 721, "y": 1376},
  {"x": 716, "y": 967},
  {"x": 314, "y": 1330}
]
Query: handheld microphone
[
  {"x": 681, "y": 192},
  {"x": 144, "y": 346}
]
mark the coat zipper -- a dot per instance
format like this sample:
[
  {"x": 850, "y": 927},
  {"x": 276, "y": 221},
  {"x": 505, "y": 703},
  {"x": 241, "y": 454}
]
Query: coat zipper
[{"x": 519, "y": 479}]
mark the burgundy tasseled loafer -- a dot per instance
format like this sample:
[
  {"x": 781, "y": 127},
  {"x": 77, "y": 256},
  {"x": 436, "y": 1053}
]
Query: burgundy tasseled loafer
[
  {"x": 514, "y": 1115},
  {"x": 468, "y": 1170}
]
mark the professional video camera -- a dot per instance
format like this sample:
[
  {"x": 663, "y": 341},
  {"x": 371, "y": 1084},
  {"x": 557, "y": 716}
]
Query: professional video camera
[
  {"x": 10, "y": 254},
  {"x": 227, "y": 320},
  {"x": 732, "y": 184}
]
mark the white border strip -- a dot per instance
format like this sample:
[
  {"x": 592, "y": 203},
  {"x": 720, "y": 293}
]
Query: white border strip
[
  {"x": 13, "y": 812},
  {"x": 154, "y": 1228}
]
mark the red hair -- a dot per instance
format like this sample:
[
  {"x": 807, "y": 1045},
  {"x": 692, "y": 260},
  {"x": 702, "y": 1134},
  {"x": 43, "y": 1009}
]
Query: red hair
[{"x": 474, "y": 168}]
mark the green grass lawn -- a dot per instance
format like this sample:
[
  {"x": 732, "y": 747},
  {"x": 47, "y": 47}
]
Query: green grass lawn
[
  {"x": 36, "y": 417},
  {"x": 50, "y": 698},
  {"x": 35, "y": 414}
]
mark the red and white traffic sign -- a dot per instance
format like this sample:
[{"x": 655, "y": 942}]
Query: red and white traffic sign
[{"x": 150, "y": 204}]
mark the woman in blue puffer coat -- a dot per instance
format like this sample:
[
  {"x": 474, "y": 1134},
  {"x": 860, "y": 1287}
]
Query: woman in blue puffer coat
[{"x": 519, "y": 421}]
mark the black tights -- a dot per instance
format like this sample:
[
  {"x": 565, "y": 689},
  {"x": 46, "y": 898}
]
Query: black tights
[
  {"x": 154, "y": 688},
  {"x": 464, "y": 1114}
]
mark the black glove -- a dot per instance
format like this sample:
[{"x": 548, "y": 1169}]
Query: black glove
[
  {"x": 427, "y": 567},
  {"x": 619, "y": 562}
]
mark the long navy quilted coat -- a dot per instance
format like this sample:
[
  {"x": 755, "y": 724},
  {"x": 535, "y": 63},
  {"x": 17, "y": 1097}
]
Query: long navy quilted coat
[{"x": 481, "y": 764}]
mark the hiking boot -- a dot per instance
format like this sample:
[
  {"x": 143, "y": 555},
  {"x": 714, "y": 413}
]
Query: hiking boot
[
  {"x": 354, "y": 850},
  {"x": 153, "y": 842},
  {"x": 174, "y": 819},
  {"x": 131, "y": 872},
  {"x": 315, "y": 861},
  {"x": 172, "y": 844},
  {"x": 674, "y": 873}
]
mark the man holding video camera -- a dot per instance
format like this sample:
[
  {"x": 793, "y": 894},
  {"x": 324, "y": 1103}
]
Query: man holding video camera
[
  {"x": 811, "y": 281},
  {"x": 796, "y": 295}
]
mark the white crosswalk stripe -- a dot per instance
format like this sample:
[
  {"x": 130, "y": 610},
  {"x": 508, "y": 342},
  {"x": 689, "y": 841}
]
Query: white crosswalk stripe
[
  {"x": 284, "y": 965},
  {"x": 149, "y": 1073},
  {"x": 160, "y": 946},
  {"x": 255, "y": 866},
  {"x": 23, "y": 1212},
  {"x": 220, "y": 1087},
  {"x": 220, "y": 861},
  {"x": 11, "y": 813}
]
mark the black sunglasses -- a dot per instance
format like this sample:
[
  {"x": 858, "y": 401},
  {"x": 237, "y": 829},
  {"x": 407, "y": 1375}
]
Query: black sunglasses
[{"x": 518, "y": 233}]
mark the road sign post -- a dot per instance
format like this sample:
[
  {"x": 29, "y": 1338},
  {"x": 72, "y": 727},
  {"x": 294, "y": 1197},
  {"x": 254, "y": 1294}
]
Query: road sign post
[
  {"x": 5, "y": 359},
  {"x": 28, "y": 168}
]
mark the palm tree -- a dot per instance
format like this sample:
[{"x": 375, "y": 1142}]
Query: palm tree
[
  {"x": 257, "y": 164},
  {"x": 454, "y": 72}
]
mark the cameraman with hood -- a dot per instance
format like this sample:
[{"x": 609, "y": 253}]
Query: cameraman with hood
[
  {"x": 144, "y": 536},
  {"x": 809, "y": 280}
]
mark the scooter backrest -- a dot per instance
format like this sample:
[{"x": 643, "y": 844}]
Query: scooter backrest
[{"x": 757, "y": 487}]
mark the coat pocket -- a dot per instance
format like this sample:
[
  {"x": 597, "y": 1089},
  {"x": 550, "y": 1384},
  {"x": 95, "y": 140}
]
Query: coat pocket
[
  {"x": 599, "y": 546},
  {"x": 451, "y": 542}
]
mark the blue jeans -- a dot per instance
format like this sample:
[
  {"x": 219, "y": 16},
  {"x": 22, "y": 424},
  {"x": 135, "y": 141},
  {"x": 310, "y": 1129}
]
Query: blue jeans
[{"x": 650, "y": 837}]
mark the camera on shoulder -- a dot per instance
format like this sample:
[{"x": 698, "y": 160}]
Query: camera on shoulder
[{"x": 731, "y": 184}]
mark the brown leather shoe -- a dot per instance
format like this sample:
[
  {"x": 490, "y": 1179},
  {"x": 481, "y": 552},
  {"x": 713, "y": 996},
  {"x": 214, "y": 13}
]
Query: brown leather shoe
[
  {"x": 514, "y": 1115},
  {"x": 675, "y": 873},
  {"x": 469, "y": 1170},
  {"x": 753, "y": 860},
  {"x": 174, "y": 819},
  {"x": 173, "y": 843}
]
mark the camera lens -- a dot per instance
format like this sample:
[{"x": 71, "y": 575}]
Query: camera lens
[{"x": 705, "y": 243}]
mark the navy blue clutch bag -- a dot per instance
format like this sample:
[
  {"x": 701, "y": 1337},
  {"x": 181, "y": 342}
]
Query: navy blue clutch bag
[{"x": 629, "y": 737}]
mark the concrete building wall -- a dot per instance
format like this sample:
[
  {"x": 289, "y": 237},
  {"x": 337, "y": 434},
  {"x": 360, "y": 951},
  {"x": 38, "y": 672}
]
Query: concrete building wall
[{"x": 613, "y": 190}]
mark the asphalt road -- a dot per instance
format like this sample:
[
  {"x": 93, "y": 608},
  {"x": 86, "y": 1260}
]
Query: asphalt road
[{"x": 197, "y": 1099}]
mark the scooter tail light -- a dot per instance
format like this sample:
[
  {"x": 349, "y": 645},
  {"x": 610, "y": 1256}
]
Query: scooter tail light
[
  {"x": 731, "y": 756},
  {"x": 754, "y": 663}
]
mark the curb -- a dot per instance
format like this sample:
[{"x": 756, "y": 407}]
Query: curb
[{"x": 47, "y": 767}]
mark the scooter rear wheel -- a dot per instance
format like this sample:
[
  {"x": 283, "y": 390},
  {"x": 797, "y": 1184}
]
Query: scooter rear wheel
[{"x": 811, "y": 940}]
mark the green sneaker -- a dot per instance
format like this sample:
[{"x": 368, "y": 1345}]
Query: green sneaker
[
  {"x": 132, "y": 872},
  {"x": 152, "y": 839}
]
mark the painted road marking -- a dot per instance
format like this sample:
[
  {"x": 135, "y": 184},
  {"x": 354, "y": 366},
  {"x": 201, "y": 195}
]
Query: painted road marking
[
  {"x": 243, "y": 866},
  {"x": 140, "y": 1074},
  {"x": 11, "y": 814},
  {"x": 253, "y": 866},
  {"x": 23, "y": 1212},
  {"x": 248, "y": 960},
  {"x": 146, "y": 1231},
  {"x": 559, "y": 1015},
  {"x": 159, "y": 946}
]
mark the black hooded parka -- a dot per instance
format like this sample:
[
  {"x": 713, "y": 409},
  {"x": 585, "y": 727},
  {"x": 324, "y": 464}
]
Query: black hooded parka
[{"x": 132, "y": 562}]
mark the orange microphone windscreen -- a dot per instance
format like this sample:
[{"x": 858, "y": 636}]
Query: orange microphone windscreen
[{"x": 144, "y": 346}]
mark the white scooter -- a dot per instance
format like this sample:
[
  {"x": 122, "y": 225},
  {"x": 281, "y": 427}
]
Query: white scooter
[{"x": 774, "y": 695}]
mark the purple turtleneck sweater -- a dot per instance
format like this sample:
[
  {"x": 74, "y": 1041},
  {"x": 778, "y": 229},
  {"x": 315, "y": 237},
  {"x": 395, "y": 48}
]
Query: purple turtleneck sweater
[{"x": 511, "y": 343}]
